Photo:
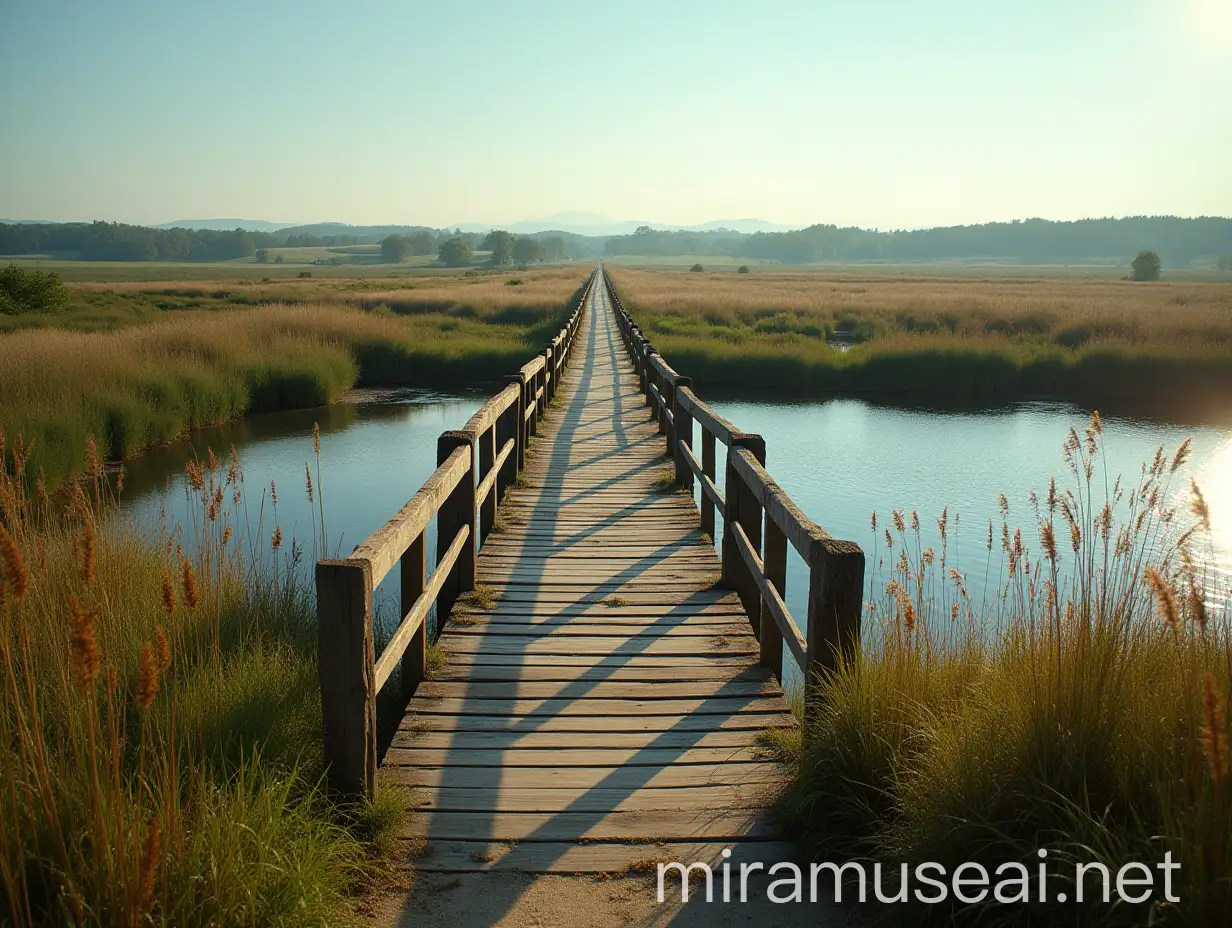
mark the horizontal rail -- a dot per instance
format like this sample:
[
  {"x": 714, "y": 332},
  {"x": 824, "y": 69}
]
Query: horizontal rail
[
  {"x": 393, "y": 651},
  {"x": 710, "y": 420},
  {"x": 770, "y": 596},
  {"x": 708, "y": 485},
  {"x": 493, "y": 409},
  {"x": 384, "y": 546},
  {"x": 800, "y": 530},
  {"x": 533, "y": 366}
]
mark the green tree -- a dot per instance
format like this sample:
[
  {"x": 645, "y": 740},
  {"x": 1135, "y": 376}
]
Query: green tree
[
  {"x": 23, "y": 291},
  {"x": 455, "y": 252},
  {"x": 742, "y": 269},
  {"x": 642, "y": 230},
  {"x": 697, "y": 267},
  {"x": 554, "y": 248},
  {"x": 262, "y": 256},
  {"x": 396, "y": 248},
  {"x": 528, "y": 251},
  {"x": 500, "y": 243},
  {"x": 1146, "y": 266},
  {"x": 423, "y": 242}
]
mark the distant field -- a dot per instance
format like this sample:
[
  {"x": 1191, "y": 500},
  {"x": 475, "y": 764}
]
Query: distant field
[
  {"x": 967, "y": 268},
  {"x": 134, "y": 363},
  {"x": 361, "y": 261},
  {"x": 922, "y": 333}
]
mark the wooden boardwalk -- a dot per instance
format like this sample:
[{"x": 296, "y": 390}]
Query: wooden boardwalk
[{"x": 603, "y": 702}]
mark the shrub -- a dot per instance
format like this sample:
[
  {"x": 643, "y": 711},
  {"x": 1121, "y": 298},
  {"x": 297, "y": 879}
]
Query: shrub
[
  {"x": 742, "y": 269},
  {"x": 1146, "y": 266},
  {"x": 23, "y": 291},
  {"x": 697, "y": 267}
]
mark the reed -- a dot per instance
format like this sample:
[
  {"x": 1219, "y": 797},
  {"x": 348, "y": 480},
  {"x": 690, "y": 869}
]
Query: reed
[
  {"x": 1076, "y": 339},
  {"x": 142, "y": 385},
  {"x": 1080, "y": 708},
  {"x": 159, "y": 704}
]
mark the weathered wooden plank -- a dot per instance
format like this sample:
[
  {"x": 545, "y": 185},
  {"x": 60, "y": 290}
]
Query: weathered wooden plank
[
  {"x": 597, "y": 857},
  {"x": 435, "y": 689},
  {"x": 565, "y": 758},
  {"x": 664, "y": 776},
  {"x": 574, "y": 827},
  {"x": 549, "y": 743},
  {"x": 537, "y": 708},
  {"x": 598, "y": 799}
]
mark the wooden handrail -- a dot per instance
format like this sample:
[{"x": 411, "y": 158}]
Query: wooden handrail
[
  {"x": 476, "y": 465},
  {"x": 754, "y": 501}
]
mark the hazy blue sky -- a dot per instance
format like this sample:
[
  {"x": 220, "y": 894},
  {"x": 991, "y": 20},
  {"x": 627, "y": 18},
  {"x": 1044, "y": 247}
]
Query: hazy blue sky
[{"x": 876, "y": 113}]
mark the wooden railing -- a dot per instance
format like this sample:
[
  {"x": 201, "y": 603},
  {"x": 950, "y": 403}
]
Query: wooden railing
[
  {"x": 475, "y": 467},
  {"x": 759, "y": 520}
]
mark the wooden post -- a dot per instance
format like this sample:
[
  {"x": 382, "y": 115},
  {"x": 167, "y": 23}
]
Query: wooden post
[
  {"x": 346, "y": 667},
  {"x": 643, "y": 374},
  {"x": 684, "y": 436},
  {"x": 666, "y": 426},
  {"x": 774, "y": 563},
  {"x": 549, "y": 382},
  {"x": 742, "y": 508},
  {"x": 708, "y": 469},
  {"x": 414, "y": 573},
  {"x": 520, "y": 430},
  {"x": 546, "y": 354},
  {"x": 457, "y": 510},
  {"x": 486, "y": 461},
  {"x": 835, "y": 604}
]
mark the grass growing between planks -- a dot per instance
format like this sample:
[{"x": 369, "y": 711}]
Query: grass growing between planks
[
  {"x": 142, "y": 385},
  {"x": 1088, "y": 716},
  {"x": 1077, "y": 339},
  {"x": 161, "y": 717}
]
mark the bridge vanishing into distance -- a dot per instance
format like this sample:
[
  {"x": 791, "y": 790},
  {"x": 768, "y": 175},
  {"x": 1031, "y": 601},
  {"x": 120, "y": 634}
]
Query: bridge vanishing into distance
[{"x": 608, "y": 678}]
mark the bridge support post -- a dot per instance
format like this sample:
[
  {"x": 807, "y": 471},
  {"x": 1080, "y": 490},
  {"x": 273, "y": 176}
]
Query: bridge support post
[
  {"x": 485, "y": 460},
  {"x": 346, "y": 667},
  {"x": 457, "y": 511},
  {"x": 683, "y": 435},
  {"x": 549, "y": 382},
  {"x": 413, "y": 575},
  {"x": 515, "y": 428},
  {"x": 708, "y": 469},
  {"x": 774, "y": 563},
  {"x": 835, "y": 606},
  {"x": 742, "y": 508}
]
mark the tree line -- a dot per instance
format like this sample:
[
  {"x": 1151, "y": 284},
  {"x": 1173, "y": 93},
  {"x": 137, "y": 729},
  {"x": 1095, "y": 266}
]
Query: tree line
[{"x": 1178, "y": 241}]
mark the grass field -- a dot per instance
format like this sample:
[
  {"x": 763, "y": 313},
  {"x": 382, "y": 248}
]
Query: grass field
[
  {"x": 924, "y": 334},
  {"x": 134, "y": 364},
  {"x": 1094, "y": 725},
  {"x": 161, "y": 715}
]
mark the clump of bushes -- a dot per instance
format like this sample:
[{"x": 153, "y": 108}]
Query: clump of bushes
[{"x": 26, "y": 291}]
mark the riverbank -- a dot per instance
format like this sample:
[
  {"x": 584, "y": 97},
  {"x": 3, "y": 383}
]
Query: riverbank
[
  {"x": 159, "y": 699},
  {"x": 1086, "y": 341},
  {"x": 182, "y": 369},
  {"x": 1093, "y": 725}
]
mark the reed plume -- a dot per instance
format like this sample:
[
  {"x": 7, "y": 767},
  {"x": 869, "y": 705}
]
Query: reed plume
[
  {"x": 168, "y": 594},
  {"x": 1165, "y": 597},
  {"x": 1214, "y": 731},
  {"x": 86, "y": 656},
  {"x": 147, "y": 679},
  {"x": 16, "y": 574},
  {"x": 189, "y": 577}
]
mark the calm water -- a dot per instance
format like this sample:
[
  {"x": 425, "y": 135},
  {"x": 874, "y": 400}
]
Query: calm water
[
  {"x": 843, "y": 459},
  {"x": 839, "y": 459}
]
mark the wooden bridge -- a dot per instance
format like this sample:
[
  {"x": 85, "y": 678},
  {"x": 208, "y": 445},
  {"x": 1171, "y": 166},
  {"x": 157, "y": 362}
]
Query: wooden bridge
[{"x": 608, "y": 679}]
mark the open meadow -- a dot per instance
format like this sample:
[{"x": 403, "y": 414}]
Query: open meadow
[
  {"x": 909, "y": 335},
  {"x": 140, "y": 362}
]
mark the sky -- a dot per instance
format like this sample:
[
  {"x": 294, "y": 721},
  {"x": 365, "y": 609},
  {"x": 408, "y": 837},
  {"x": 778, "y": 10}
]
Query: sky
[{"x": 870, "y": 112}]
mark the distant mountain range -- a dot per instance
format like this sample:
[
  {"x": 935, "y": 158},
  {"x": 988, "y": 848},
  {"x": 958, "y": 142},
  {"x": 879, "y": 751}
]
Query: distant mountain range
[
  {"x": 226, "y": 225},
  {"x": 578, "y": 223},
  {"x": 593, "y": 224}
]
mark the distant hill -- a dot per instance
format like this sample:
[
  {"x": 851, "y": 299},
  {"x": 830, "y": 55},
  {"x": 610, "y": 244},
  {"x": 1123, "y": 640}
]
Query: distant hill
[
  {"x": 595, "y": 226},
  {"x": 225, "y": 225}
]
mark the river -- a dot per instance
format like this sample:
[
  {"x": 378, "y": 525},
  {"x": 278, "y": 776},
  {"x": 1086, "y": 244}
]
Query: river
[{"x": 840, "y": 460}]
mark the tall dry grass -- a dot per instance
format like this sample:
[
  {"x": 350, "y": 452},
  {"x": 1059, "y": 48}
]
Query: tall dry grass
[
  {"x": 1082, "y": 708},
  {"x": 1079, "y": 339},
  {"x": 140, "y": 385},
  {"x": 160, "y": 716}
]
